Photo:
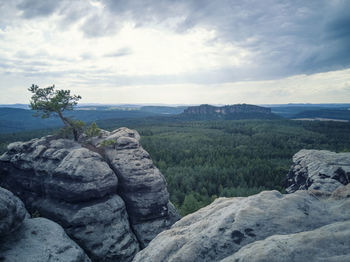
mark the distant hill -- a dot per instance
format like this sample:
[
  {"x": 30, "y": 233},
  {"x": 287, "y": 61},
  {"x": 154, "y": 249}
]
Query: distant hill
[
  {"x": 168, "y": 110},
  {"x": 22, "y": 106},
  {"x": 16, "y": 119},
  {"x": 339, "y": 114},
  {"x": 291, "y": 110},
  {"x": 229, "y": 112}
]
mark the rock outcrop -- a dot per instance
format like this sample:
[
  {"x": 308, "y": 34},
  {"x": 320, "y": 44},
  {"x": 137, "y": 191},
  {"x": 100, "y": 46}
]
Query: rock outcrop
[
  {"x": 268, "y": 226},
  {"x": 106, "y": 194},
  {"x": 33, "y": 240},
  {"x": 141, "y": 185},
  {"x": 318, "y": 171}
]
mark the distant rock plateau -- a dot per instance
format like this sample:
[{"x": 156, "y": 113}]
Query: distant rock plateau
[{"x": 228, "y": 112}]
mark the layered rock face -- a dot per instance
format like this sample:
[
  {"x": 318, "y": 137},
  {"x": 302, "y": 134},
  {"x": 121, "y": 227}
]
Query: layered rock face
[
  {"x": 141, "y": 185},
  {"x": 268, "y": 226},
  {"x": 111, "y": 200},
  {"x": 320, "y": 172},
  {"x": 32, "y": 240},
  {"x": 229, "y": 109}
]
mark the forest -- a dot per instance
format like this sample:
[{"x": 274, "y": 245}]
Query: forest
[{"x": 203, "y": 160}]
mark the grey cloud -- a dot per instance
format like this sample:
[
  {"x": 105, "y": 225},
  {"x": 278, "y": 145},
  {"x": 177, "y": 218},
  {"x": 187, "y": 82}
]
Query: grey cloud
[
  {"x": 86, "y": 56},
  {"x": 120, "y": 52},
  {"x": 73, "y": 11},
  {"x": 285, "y": 37},
  {"x": 37, "y": 8},
  {"x": 98, "y": 25}
]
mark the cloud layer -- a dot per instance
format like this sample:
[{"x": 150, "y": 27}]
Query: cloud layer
[{"x": 118, "y": 44}]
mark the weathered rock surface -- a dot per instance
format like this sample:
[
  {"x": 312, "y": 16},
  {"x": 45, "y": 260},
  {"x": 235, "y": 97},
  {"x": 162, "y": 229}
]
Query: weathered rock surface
[
  {"x": 141, "y": 185},
  {"x": 12, "y": 212},
  {"x": 268, "y": 226},
  {"x": 40, "y": 240},
  {"x": 106, "y": 198},
  {"x": 328, "y": 244},
  {"x": 341, "y": 192},
  {"x": 224, "y": 227},
  {"x": 319, "y": 171},
  {"x": 32, "y": 240}
]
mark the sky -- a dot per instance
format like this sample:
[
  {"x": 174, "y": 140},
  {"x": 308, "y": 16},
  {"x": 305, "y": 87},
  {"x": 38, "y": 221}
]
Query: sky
[{"x": 177, "y": 51}]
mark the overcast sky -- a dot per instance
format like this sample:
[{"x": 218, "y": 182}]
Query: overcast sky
[{"x": 177, "y": 51}]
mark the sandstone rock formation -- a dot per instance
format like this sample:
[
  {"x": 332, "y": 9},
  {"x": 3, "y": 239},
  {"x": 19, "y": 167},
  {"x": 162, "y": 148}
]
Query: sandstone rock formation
[
  {"x": 318, "y": 171},
  {"x": 32, "y": 240},
  {"x": 268, "y": 226},
  {"x": 108, "y": 197},
  {"x": 141, "y": 185}
]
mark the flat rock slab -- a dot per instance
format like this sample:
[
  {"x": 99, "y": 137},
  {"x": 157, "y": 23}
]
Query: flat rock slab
[
  {"x": 326, "y": 244},
  {"x": 228, "y": 224}
]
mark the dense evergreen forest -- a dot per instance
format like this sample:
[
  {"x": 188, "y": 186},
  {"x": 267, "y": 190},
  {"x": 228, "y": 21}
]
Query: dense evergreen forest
[{"x": 202, "y": 160}]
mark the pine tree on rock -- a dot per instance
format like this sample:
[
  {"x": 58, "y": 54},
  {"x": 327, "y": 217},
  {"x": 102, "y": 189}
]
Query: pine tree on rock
[{"x": 48, "y": 101}]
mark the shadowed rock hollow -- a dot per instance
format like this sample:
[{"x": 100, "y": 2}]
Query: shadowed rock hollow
[
  {"x": 32, "y": 240},
  {"x": 111, "y": 200}
]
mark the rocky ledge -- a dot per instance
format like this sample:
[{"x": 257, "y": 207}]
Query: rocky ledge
[
  {"x": 105, "y": 191},
  {"x": 307, "y": 225},
  {"x": 318, "y": 171}
]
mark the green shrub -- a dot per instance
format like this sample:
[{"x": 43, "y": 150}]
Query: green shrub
[
  {"x": 93, "y": 130},
  {"x": 107, "y": 143}
]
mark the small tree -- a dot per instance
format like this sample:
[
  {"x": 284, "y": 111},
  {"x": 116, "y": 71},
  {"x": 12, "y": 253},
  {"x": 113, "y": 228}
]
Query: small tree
[{"x": 48, "y": 101}]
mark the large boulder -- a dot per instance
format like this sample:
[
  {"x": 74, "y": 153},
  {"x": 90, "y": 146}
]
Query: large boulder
[
  {"x": 319, "y": 171},
  {"x": 307, "y": 225},
  {"x": 12, "y": 212},
  {"x": 40, "y": 240},
  {"x": 32, "y": 240},
  {"x": 97, "y": 191}
]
